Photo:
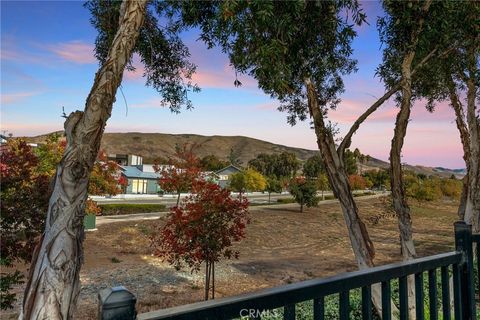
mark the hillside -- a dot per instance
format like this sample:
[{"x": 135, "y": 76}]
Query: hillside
[{"x": 155, "y": 145}]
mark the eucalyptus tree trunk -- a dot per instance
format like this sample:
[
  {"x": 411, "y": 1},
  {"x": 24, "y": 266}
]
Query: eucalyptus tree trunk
[
  {"x": 53, "y": 286},
  {"x": 362, "y": 246},
  {"x": 400, "y": 205},
  {"x": 407, "y": 246},
  {"x": 398, "y": 191},
  {"x": 465, "y": 138},
  {"x": 472, "y": 209}
]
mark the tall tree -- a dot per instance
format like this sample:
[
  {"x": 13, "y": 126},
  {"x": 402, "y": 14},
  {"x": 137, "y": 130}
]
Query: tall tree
[
  {"x": 401, "y": 29},
  {"x": 283, "y": 165},
  {"x": 451, "y": 77},
  {"x": 298, "y": 52},
  {"x": 411, "y": 30},
  {"x": 313, "y": 167},
  {"x": 53, "y": 285}
]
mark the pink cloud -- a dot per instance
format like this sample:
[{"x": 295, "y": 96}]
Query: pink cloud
[
  {"x": 221, "y": 79},
  {"x": 268, "y": 106},
  {"x": 74, "y": 51},
  {"x": 16, "y": 97},
  {"x": 349, "y": 110},
  {"x": 11, "y": 51},
  {"x": 150, "y": 103},
  {"x": 31, "y": 129},
  {"x": 136, "y": 74}
]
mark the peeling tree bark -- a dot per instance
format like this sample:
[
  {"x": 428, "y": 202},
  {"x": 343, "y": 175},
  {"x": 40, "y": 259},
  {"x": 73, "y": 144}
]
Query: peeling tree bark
[
  {"x": 398, "y": 193},
  {"x": 464, "y": 137},
  {"x": 53, "y": 285},
  {"x": 407, "y": 246},
  {"x": 472, "y": 208},
  {"x": 362, "y": 246}
]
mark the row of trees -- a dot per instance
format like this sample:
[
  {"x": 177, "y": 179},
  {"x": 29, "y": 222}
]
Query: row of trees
[{"x": 298, "y": 53}]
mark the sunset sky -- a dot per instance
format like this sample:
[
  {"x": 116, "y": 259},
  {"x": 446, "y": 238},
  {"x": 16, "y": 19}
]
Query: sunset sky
[{"x": 47, "y": 62}]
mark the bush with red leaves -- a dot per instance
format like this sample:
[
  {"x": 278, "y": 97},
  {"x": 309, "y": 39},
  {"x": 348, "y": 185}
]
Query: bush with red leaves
[{"x": 202, "y": 229}]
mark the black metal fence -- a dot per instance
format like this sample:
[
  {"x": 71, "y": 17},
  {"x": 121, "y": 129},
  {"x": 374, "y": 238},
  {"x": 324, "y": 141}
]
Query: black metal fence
[{"x": 457, "y": 265}]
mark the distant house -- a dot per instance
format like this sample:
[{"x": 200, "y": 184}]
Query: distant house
[
  {"x": 209, "y": 176},
  {"x": 225, "y": 173},
  {"x": 126, "y": 159},
  {"x": 142, "y": 179},
  {"x": 3, "y": 142},
  {"x": 3, "y": 139}
]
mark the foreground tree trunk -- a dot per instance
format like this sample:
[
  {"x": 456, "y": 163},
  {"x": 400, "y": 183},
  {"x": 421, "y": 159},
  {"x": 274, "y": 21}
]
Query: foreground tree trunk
[
  {"x": 360, "y": 240},
  {"x": 472, "y": 208},
  {"x": 407, "y": 246},
  {"x": 464, "y": 137},
  {"x": 53, "y": 285},
  {"x": 400, "y": 204}
]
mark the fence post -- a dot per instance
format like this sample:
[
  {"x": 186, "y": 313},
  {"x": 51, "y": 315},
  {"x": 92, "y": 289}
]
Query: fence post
[{"x": 463, "y": 243}]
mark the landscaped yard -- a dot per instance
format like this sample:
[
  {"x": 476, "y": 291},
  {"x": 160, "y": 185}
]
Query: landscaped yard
[{"x": 282, "y": 246}]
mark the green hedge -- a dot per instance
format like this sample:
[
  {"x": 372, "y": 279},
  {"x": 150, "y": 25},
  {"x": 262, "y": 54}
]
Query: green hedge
[
  {"x": 286, "y": 200},
  {"x": 367, "y": 193},
  {"x": 128, "y": 208},
  {"x": 291, "y": 200}
]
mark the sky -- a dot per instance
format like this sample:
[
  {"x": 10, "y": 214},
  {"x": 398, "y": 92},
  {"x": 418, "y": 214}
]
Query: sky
[{"x": 47, "y": 64}]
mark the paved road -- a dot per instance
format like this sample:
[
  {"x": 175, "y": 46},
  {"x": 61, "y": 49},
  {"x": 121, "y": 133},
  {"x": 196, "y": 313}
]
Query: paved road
[
  {"x": 171, "y": 200},
  {"x": 155, "y": 215}
]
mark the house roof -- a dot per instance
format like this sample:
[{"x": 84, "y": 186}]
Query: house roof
[
  {"x": 228, "y": 168},
  {"x": 134, "y": 172}
]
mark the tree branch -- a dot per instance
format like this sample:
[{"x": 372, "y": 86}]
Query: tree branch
[{"x": 347, "y": 140}]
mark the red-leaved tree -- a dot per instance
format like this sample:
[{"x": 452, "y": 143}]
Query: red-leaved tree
[
  {"x": 202, "y": 230},
  {"x": 181, "y": 173},
  {"x": 106, "y": 178},
  {"x": 24, "y": 201},
  {"x": 357, "y": 182}
]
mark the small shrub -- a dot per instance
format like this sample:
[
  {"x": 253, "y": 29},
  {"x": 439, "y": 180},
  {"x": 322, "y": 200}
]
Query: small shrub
[
  {"x": 115, "y": 260},
  {"x": 286, "y": 200},
  {"x": 451, "y": 188}
]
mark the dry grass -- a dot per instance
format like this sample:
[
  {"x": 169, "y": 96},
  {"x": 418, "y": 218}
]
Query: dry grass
[{"x": 282, "y": 246}]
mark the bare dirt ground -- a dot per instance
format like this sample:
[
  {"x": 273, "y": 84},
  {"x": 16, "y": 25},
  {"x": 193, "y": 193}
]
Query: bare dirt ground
[{"x": 282, "y": 246}]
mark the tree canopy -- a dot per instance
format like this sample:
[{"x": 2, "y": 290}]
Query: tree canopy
[
  {"x": 160, "y": 49},
  {"x": 282, "y": 43},
  {"x": 280, "y": 165},
  {"x": 313, "y": 167}
]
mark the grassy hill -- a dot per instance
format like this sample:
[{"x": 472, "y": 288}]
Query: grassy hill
[{"x": 155, "y": 145}]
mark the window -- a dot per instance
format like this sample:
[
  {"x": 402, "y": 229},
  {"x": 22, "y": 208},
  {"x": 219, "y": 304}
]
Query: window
[{"x": 139, "y": 186}]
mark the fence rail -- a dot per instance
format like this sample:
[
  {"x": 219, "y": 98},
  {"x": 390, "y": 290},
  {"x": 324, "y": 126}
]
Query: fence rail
[{"x": 457, "y": 265}]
